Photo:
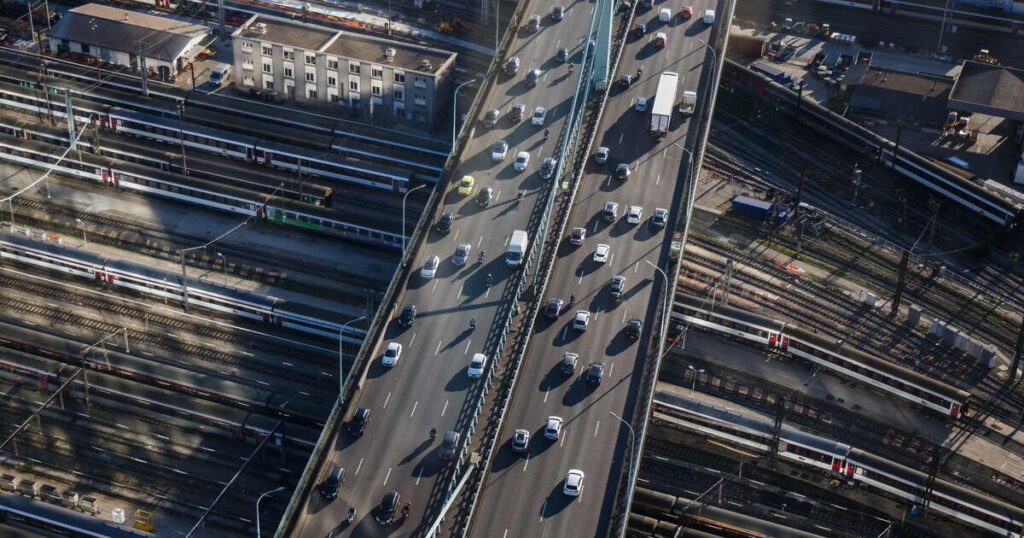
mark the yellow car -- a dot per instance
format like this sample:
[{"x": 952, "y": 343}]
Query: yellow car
[{"x": 466, "y": 185}]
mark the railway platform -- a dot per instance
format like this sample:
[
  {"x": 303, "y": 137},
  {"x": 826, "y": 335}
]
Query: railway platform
[{"x": 189, "y": 222}]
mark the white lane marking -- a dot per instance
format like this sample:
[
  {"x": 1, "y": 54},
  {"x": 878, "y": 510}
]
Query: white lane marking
[
  {"x": 438, "y": 350},
  {"x": 419, "y": 474},
  {"x": 462, "y": 287},
  {"x": 624, "y": 312},
  {"x": 445, "y": 408},
  {"x": 497, "y": 195},
  {"x": 543, "y": 508},
  {"x": 564, "y": 329},
  {"x": 594, "y": 231},
  {"x": 620, "y": 137},
  {"x": 479, "y": 241},
  {"x": 386, "y": 400},
  {"x": 546, "y": 392},
  {"x": 611, "y": 370},
  {"x": 608, "y": 181},
  {"x": 287, "y": 363},
  {"x": 505, "y": 534},
  {"x": 434, "y": 287},
  {"x": 597, "y": 427},
  {"x": 487, "y": 292},
  {"x": 635, "y": 267},
  {"x": 412, "y": 340},
  {"x": 664, "y": 153},
  {"x": 580, "y": 279},
  {"x": 467, "y": 346},
  {"x": 562, "y": 442},
  {"x": 387, "y": 476},
  {"x": 360, "y": 466},
  {"x": 526, "y": 463},
  {"x": 414, "y": 406},
  {"x": 611, "y": 258},
  {"x": 507, "y": 239},
  {"x": 594, "y": 314},
  {"x": 456, "y": 237},
  {"x": 657, "y": 179}
]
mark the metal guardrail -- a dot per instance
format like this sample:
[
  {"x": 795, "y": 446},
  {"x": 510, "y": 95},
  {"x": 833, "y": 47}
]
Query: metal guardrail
[{"x": 642, "y": 412}]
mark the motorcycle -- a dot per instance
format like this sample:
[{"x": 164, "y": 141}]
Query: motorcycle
[
  {"x": 351, "y": 515},
  {"x": 405, "y": 509}
]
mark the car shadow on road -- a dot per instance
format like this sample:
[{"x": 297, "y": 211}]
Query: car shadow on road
[
  {"x": 578, "y": 391},
  {"x": 554, "y": 378},
  {"x": 556, "y": 501}
]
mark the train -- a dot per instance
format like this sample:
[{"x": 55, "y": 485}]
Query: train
[
  {"x": 51, "y": 520},
  {"x": 271, "y": 311},
  {"x": 846, "y": 361},
  {"x": 842, "y": 461},
  {"x": 187, "y": 189},
  {"x": 224, "y": 137},
  {"x": 168, "y": 161}
]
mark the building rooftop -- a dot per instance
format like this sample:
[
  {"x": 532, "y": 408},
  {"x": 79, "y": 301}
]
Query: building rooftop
[
  {"x": 124, "y": 30},
  {"x": 287, "y": 33},
  {"x": 993, "y": 89},
  {"x": 345, "y": 44},
  {"x": 921, "y": 84}
]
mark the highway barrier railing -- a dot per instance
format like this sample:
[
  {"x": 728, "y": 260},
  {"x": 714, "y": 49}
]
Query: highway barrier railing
[
  {"x": 691, "y": 172},
  {"x": 507, "y": 387}
]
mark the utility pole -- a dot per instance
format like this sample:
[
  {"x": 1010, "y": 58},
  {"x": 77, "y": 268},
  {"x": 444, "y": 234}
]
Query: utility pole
[
  {"x": 896, "y": 148},
  {"x": 935, "y": 204},
  {"x": 856, "y": 184},
  {"x": 1017, "y": 351},
  {"x": 901, "y": 282},
  {"x": 780, "y": 413},
  {"x": 143, "y": 70},
  {"x": 728, "y": 281},
  {"x": 799, "y": 99},
  {"x": 800, "y": 192},
  {"x": 70, "y": 112}
]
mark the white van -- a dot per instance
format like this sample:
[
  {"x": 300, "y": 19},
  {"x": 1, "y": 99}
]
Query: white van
[
  {"x": 709, "y": 16},
  {"x": 220, "y": 74}
]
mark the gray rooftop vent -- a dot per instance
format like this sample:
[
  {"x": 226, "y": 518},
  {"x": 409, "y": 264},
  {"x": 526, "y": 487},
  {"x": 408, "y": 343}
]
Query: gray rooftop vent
[
  {"x": 425, "y": 65},
  {"x": 259, "y": 28},
  {"x": 389, "y": 54}
]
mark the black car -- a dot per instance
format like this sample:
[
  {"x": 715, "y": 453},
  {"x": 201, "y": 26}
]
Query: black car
[
  {"x": 330, "y": 486},
  {"x": 594, "y": 373},
  {"x": 633, "y": 328},
  {"x": 557, "y": 13},
  {"x": 640, "y": 29},
  {"x": 445, "y": 224},
  {"x": 675, "y": 331},
  {"x": 554, "y": 307},
  {"x": 449, "y": 445},
  {"x": 625, "y": 79},
  {"x": 407, "y": 316},
  {"x": 388, "y": 506},
  {"x": 357, "y": 424}
]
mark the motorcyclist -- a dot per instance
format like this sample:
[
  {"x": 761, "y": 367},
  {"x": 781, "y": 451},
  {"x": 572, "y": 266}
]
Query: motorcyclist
[
  {"x": 547, "y": 133},
  {"x": 405, "y": 508},
  {"x": 351, "y": 515},
  {"x": 520, "y": 195},
  {"x": 570, "y": 69},
  {"x": 433, "y": 433},
  {"x": 480, "y": 258},
  {"x": 572, "y": 299},
  {"x": 489, "y": 279},
  {"x": 472, "y": 325}
]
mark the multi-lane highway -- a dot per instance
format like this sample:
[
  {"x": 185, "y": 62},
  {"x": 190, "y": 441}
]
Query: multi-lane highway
[
  {"x": 429, "y": 385},
  {"x": 523, "y": 494}
]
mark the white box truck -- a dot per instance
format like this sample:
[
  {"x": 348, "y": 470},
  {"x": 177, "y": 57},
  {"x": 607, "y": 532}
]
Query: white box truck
[
  {"x": 516, "y": 249},
  {"x": 664, "y": 100},
  {"x": 688, "y": 103}
]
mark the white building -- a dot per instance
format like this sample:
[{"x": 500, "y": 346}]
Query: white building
[
  {"x": 119, "y": 36},
  {"x": 313, "y": 63}
]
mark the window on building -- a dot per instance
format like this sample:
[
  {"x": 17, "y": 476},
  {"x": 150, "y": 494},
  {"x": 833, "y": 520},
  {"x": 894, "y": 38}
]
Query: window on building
[
  {"x": 419, "y": 100},
  {"x": 332, "y": 81},
  {"x": 268, "y": 84},
  {"x": 310, "y": 76},
  {"x": 267, "y": 50},
  {"x": 420, "y": 82},
  {"x": 375, "y": 89},
  {"x": 289, "y": 54},
  {"x": 353, "y": 68},
  {"x": 377, "y": 72},
  {"x": 311, "y": 93},
  {"x": 353, "y": 85},
  {"x": 247, "y": 46},
  {"x": 332, "y": 64},
  {"x": 399, "y": 94},
  {"x": 248, "y": 65},
  {"x": 268, "y": 68},
  {"x": 311, "y": 59},
  {"x": 248, "y": 81},
  {"x": 288, "y": 73},
  {"x": 399, "y": 77}
]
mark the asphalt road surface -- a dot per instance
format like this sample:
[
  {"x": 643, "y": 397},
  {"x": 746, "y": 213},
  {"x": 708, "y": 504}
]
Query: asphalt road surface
[
  {"x": 429, "y": 385},
  {"x": 523, "y": 493}
]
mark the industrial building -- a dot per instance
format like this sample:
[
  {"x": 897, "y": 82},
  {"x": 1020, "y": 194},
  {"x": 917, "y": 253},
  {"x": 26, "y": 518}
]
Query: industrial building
[
  {"x": 118, "y": 36},
  {"x": 890, "y": 93},
  {"x": 308, "y": 62}
]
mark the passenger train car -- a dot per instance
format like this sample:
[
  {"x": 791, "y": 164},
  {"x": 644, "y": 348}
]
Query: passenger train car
[
  {"x": 196, "y": 191},
  {"x": 845, "y": 361},
  {"x": 843, "y": 461},
  {"x": 129, "y": 275}
]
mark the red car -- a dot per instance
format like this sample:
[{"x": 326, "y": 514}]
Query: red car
[{"x": 687, "y": 12}]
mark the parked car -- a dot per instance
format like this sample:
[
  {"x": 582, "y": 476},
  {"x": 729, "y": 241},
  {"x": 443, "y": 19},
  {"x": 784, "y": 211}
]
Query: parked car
[
  {"x": 610, "y": 212},
  {"x": 634, "y": 214},
  {"x": 568, "y": 364},
  {"x": 640, "y": 29},
  {"x": 622, "y": 171},
  {"x": 532, "y": 76},
  {"x": 601, "y": 253},
  {"x": 659, "y": 218},
  {"x": 539, "y": 114},
  {"x": 516, "y": 114},
  {"x": 557, "y": 13},
  {"x": 616, "y": 285},
  {"x": 562, "y": 55},
  {"x": 595, "y": 372},
  {"x": 522, "y": 161},
  {"x": 483, "y": 196}
]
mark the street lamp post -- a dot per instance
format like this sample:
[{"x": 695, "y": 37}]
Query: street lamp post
[
  {"x": 630, "y": 485},
  {"x": 455, "y": 108},
  {"x": 341, "y": 356},
  {"x": 224, "y": 268},
  {"x": 82, "y": 224},
  {"x": 713, "y": 53},
  {"x": 693, "y": 387},
  {"x": 271, "y": 492},
  {"x": 664, "y": 302},
  {"x": 407, "y": 193}
]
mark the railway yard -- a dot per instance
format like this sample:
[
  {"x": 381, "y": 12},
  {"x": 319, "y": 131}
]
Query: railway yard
[{"x": 191, "y": 284}]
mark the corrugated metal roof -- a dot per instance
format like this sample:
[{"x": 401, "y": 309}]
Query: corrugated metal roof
[{"x": 123, "y": 30}]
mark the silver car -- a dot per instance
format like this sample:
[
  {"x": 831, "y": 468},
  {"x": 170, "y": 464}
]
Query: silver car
[{"x": 461, "y": 254}]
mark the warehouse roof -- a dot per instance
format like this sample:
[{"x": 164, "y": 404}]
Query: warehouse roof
[
  {"x": 920, "y": 84},
  {"x": 990, "y": 89},
  {"x": 123, "y": 30}
]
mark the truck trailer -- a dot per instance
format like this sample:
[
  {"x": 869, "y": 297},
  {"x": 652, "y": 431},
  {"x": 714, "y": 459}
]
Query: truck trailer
[
  {"x": 761, "y": 210},
  {"x": 664, "y": 100}
]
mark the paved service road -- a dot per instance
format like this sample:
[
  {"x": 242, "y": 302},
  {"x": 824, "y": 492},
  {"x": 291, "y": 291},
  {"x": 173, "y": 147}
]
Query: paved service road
[
  {"x": 523, "y": 493},
  {"x": 428, "y": 386}
]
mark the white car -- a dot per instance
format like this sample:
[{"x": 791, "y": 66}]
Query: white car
[
  {"x": 477, "y": 365},
  {"x": 709, "y": 16},
  {"x": 659, "y": 218},
  {"x": 461, "y": 254},
  {"x": 430, "y": 266},
  {"x": 601, "y": 155},
  {"x": 391, "y": 354},
  {"x": 664, "y": 15},
  {"x": 539, "y": 114},
  {"x": 499, "y": 150},
  {"x": 553, "y": 429},
  {"x": 573, "y": 483},
  {"x": 581, "y": 320},
  {"x": 522, "y": 161},
  {"x": 634, "y": 214},
  {"x": 601, "y": 253},
  {"x": 641, "y": 104}
]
